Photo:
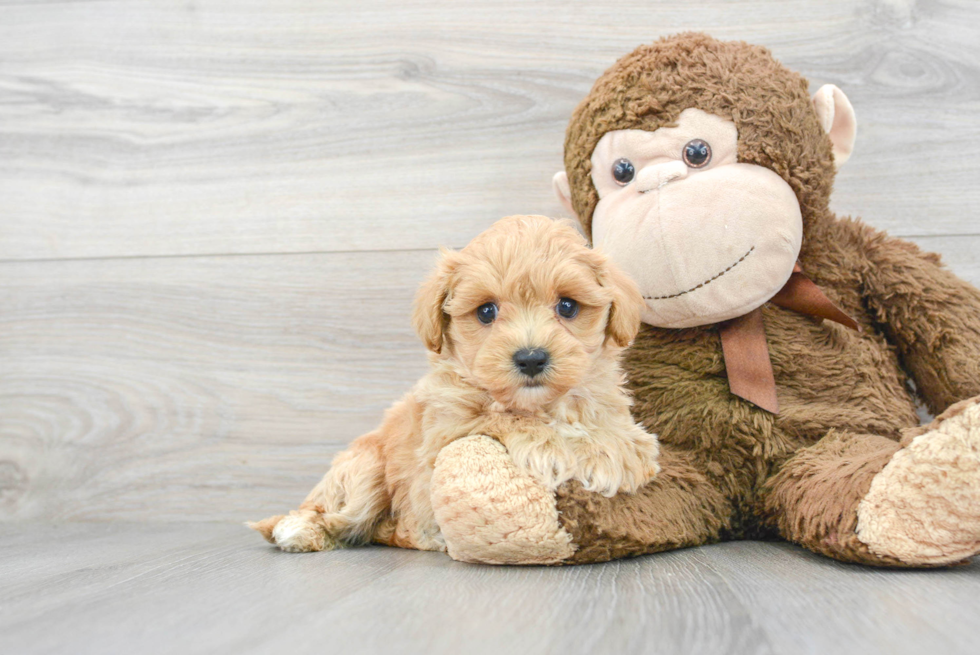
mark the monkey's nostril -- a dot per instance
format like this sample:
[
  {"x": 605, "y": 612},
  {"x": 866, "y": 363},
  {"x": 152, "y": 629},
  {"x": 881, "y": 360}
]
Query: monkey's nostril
[{"x": 531, "y": 362}]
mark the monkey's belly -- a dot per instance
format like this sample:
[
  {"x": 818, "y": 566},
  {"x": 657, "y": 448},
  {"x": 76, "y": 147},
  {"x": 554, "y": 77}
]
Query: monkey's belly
[{"x": 827, "y": 377}]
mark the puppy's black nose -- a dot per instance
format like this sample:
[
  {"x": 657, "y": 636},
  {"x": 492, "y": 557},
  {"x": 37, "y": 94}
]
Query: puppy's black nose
[{"x": 531, "y": 362}]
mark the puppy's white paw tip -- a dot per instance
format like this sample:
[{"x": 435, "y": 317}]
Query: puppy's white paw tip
[{"x": 294, "y": 534}]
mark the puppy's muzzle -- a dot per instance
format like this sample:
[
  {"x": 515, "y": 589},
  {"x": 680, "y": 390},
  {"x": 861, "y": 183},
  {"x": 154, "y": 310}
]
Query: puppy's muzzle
[{"x": 531, "y": 362}]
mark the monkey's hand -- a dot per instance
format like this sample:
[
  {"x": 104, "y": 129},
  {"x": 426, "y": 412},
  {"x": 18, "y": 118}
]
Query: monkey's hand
[{"x": 491, "y": 511}]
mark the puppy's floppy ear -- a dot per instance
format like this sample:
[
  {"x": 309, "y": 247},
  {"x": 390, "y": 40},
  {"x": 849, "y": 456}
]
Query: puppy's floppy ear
[
  {"x": 624, "y": 314},
  {"x": 428, "y": 316}
]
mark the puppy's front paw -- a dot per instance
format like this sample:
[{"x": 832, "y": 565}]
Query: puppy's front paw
[
  {"x": 608, "y": 471},
  {"x": 601, "y": 471},
  {"x": 643, "y": 462},
  {"x": 611, "y": 465},
  {"x": 550, "y": 460}
]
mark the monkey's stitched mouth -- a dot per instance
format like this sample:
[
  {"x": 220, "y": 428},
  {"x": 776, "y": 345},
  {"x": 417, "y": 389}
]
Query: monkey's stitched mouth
[{"x": 706, "y": 282}]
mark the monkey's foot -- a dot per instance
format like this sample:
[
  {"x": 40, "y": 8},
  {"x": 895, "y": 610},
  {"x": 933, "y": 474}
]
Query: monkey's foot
[
  {"x": 923, "y": 508},
  {"x": 490, "y": 511}
]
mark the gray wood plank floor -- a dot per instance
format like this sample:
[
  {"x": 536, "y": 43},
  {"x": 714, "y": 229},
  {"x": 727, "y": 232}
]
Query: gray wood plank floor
[{"x": 213, "y": 588}]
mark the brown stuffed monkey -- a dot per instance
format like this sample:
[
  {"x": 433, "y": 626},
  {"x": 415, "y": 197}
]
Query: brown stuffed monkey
[{"x": 781, "y": 342}]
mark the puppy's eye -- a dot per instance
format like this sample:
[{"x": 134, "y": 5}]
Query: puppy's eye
[
  {"x": 486, "y": 313},
  {"x": 623, "y": 171},
  {"x": 567, "y": 308},
  {"x": 697, "y": 153}
]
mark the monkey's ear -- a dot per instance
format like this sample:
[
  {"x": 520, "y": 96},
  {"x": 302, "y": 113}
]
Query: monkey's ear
[
  {"x": 837, "y": 119},
  {"x": 428, "y": 314},
  {"x": 564, "y": 192}
]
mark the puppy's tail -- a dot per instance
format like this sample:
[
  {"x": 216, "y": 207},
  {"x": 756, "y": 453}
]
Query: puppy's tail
[
  {"x": 266, "y": 526},
  {"x": 343, "y": 509}
]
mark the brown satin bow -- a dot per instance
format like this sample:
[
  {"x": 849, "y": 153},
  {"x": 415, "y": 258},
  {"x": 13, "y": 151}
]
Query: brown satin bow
[{"x": 743, "y": 339}]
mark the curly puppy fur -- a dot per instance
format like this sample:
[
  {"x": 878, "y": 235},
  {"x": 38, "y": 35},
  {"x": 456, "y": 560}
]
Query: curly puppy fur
[
  {"x": 729, "y": 469},
  {"x": 570, "y": 422}
]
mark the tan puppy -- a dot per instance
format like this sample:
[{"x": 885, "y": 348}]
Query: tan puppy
[{"x": 525, "y": 326}]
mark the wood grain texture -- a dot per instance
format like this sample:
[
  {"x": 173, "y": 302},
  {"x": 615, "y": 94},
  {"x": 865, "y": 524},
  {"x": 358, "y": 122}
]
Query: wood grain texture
[
  {"x": 219, "y": 126},
  {"x": 204, "y": 588},
  {"x": 157, "y": 388}
]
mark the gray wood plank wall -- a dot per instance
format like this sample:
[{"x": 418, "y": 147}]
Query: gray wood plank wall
[{"x": 214, "y": 214}]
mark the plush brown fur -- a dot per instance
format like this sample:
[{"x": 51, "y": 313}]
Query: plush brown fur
[
  {"x": 607, "y": 528},
  {"x": 729, "y": 468},
  {"x": 570, "y": 422}
]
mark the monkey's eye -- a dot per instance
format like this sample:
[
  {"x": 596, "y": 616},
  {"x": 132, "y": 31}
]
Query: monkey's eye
[
  {"x": 697, "y": 153},
  {"x": 567, "y": 308},
  {"x": 623, "y": 171},
  {"x": 486, "y": 313}
]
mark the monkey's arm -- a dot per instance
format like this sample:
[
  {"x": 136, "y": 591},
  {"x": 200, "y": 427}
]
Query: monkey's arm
[
  {"x": 490, "y": 511},
  {"x": 932, "y": 317},
  {"x": 679, "y": 508},
  {"x": 873, "y": 500}
]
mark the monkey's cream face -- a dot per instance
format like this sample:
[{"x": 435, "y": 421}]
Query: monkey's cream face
[{"x": 705, "y": 237}]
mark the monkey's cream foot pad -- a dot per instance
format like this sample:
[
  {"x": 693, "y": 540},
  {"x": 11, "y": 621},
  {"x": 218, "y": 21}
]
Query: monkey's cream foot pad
[
  {"x": 490, "y": 511},
  {"x": 924, "y": 506}
]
